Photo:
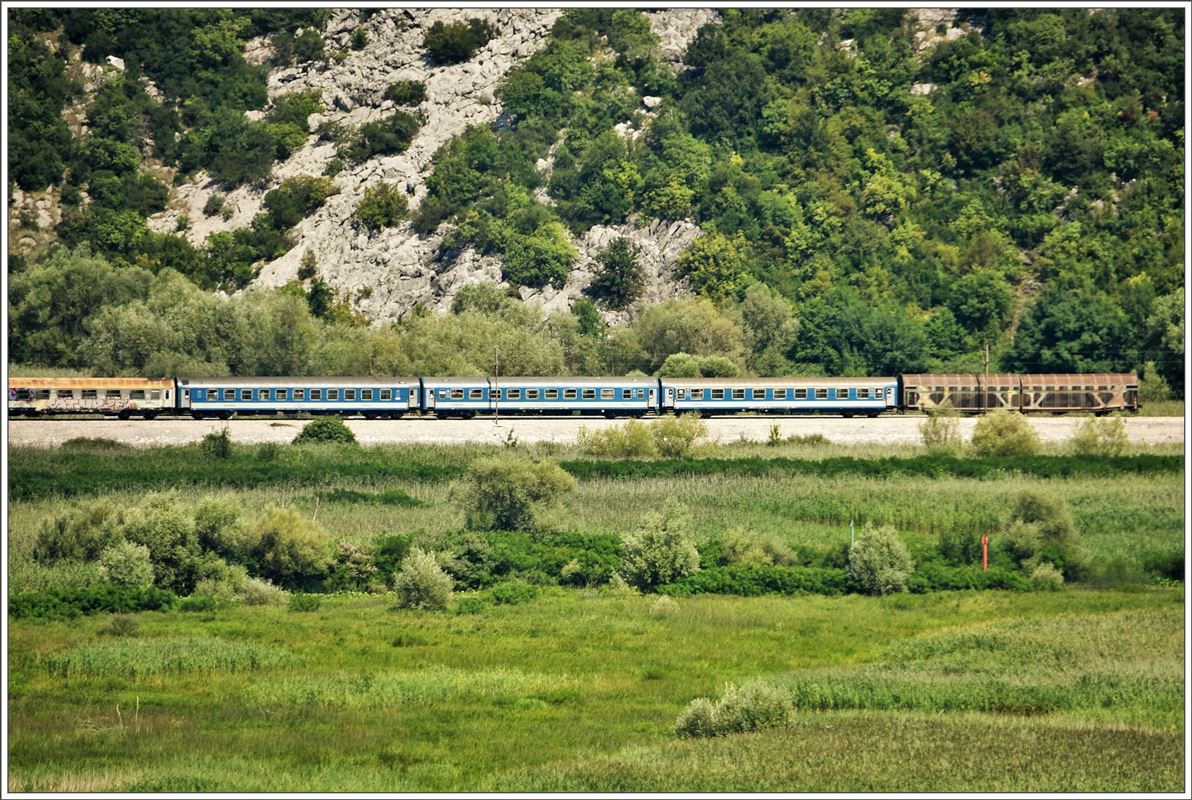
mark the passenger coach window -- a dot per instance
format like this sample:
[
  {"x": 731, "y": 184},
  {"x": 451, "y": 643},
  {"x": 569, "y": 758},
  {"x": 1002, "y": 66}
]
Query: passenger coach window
[
  {"x": 800, "y": 394},
  {"x": 738, "y": 394},
  {"x": 681, "y": 394},
  {"x": 366, "y": 394},
  {"x": 333, "y": 394},
  {"x": 607, "y": 394},
  {"x": 349, "y": 394},
  {"x": 475, "y": 394},
  {"x": 137, "y": 394},
  {"x": 569, "y": 394},
  {"x": 316, "y": 394},
  {"x": 531, "y": 394},
  {"x": 551, "y": 394},
  {"x": 457, "y": 394},
  {"x": 298, "y": 393},
  {"x": 862, "y": 394},
  {"x": 842, "y": 394},
  {"x": 718, "y": 394},
  {"x": 821, "y": 394},
  {"x": 386, "y": 394},
  {"x": 153, "y": 395},
  {"x": 513, "y": 394},
  {"x": 588, "y": 394},
  {"x": 68, "y": 394},
  {"x": 246, "y": 394},
  {"x": 89, "y": 394}
]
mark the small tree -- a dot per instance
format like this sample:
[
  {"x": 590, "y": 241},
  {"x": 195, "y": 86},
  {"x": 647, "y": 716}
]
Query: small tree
[
  {"x": 1004, "y": 433},
  {"x": 421, "y": 583},
  {"x": 619, "y": 279},
  {"x": 405, "y": 93},
  {"x": 941, "y": 430},
  {"x": 457, "y": 42},
  {"x": 676, "y": 436},
  {"x": 326, "y": 429},
  {"x": 879, "y": 562},
  {"x": 1041, "y": 529},
  {"x": 308, "y": 267},
  {"x": 661, "y": 551},
  {"x": 127, "y": 564},
  {"x": 1100, "y": 437},
  {"x": 512, "y": 494}
]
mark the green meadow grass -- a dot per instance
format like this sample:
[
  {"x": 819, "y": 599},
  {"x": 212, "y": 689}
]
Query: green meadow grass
[{"x": 581, "y": 690}]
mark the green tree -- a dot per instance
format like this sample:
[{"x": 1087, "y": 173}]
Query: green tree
[
  {"x": 661, "y": 550},
  {"x": 510, "y": 494},
  {"x": 619, "y": 279},
  {"x": 456, "y": 42},
  {"x": 292, "y": 551},
  {"x": 715, "y": 265},
  {"x": 382, "y": 206},
  {"x": 879, "y": 562}
]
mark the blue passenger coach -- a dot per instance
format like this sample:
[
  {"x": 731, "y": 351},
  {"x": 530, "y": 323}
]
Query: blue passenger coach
[
  {"x": 612, "y": 397},
  {"x": 455, "y": 397},
  {"x": 374, "y": 398},
  {"x": 845, "y": 396}
]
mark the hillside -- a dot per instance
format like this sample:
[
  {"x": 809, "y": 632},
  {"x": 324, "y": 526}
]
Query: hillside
[{"x": 813, "y": 191}]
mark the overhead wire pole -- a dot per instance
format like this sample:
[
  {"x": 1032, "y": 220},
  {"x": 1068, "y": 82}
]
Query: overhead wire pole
[{"x": 497, "y": 389}]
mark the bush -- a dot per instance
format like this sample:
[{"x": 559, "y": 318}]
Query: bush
[
  {"x": 1104, "y": 436},
  {"x": 382, "y": 206},
  {"x": 1004, "y": 433},
  {"x": 304, "y": 602},
  {"x": 389, "y": 136},
  {"x": 631, "y": 440},
  {"x": 421, "y": 583},
  {"x": 80, "y": 534},
  {"x": 457, "y": 42},
  {"x": 121, "y": 625},
  {"x": 292, "y": 551},
  {"x": 750, "y": 580},
  {"x": 198, "y": 604},
  {"x": 941, "y": 430},
  {"x": 260, "y": 592},
  {"x": 512, "y": 593},
  {"x": 359, "y": 38},
  {"x": 510, "y": 494},
  {"x": 268, "y": 451},
  {"x": 217, "y": 445},
  {"x": 296, "y": 198},
  {"x": 543, "y": 257},
  {"x": 214, "y": 204},
  {"x": 1041, "y": 529},
  {"x": 66, "y": 603},
  {"x": 661, "y": 551},
  {"x": 406, "y": 93},
  {"x": 676, "y": 436},
  {"x": 744, "y": 548},
  {"x": 619, "y": 278},
  {"x": 664, "y": 608},
  {"x": 326, "y": 429},
  {"x": 1046, "y": 576},
  {"x": 127, "y": 564},
  {"x": 878, "y": 561},
  {"x": 751, "y": 707}
]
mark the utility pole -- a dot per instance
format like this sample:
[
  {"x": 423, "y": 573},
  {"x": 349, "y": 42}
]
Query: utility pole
[
  {"x": 496, "y": 389},
  {"x": 985, "y": 389}
]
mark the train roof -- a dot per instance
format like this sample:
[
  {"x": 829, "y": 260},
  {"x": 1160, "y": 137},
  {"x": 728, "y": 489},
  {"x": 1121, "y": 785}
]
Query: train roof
[
  {"x": 576, "y": 381},
  {"x": 777, "y": 382},
  {"x": 1006, "y": 379},
  {"x": 243, "y": 382},
  {"x": 89, "y": 383}
]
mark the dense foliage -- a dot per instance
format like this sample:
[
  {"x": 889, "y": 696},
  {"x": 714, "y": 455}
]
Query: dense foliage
[{"x": 870, "y": 203}]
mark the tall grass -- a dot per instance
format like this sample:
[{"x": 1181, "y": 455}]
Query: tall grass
[{"x": 140, "y": 658}]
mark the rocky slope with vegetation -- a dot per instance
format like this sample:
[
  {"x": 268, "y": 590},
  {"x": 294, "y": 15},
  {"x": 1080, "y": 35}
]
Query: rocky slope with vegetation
[{"x": 839, "y": 191}]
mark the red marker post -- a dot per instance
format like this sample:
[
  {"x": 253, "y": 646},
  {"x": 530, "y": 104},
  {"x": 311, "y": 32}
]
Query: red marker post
[{"x": 985, "y": 554}]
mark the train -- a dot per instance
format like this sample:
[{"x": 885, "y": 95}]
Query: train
[{"x": 460, "y": 397}]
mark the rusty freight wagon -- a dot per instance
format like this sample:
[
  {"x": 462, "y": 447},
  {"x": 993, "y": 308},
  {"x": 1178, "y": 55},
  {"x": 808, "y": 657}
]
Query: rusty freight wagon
[{"x": 1097, "y": 393}]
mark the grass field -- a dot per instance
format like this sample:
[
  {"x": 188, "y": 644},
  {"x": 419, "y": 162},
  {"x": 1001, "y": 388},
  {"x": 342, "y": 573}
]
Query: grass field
[{"x": 580, "y": 689}]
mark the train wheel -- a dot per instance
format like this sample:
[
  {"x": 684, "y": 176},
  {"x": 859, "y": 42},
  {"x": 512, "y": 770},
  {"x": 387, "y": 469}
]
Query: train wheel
[
  {"x": 149, "y": 414},
  {"x": 123, "y": 415},
  {"x": 225, "y": 415}
]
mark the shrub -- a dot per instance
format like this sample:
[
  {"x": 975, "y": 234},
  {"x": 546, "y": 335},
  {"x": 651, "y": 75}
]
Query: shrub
[
  {"x": 740, "y": 547},
  {"x": 543, "y": 257},
  {"x": 94, "y": 443},
  {"x": 296, "y": 198},
  {"x": 1041, "y": 529},
  {"x": 941, "y": 430},
  {"x": 421, "y": 583},
  {"x": 457, "y": 42},
  {"x": 65, "y": 603},
  {"x": 619, "y": 278},
  {"x": 511, "y": 593},
  {"x": 618, "y": 586},
  {"x": 751, "y": 707},
  {"x": 1004, "y": 433},
  {"x": 198, "y": 603},
  {"x": 308, "y": 266},
  {"x": 359, "y": 38},
  {"x": 382, "y": 206},
  {"x": 717, "y": 367},
  {"x": 217, "y": 445},
  {"x": 511, "y": 494},
  {"x": 80, "y": 534},
  {"x": 1046, "y": 576},
  {"x": 352, "y": 570},
  {"x": 304, "y": 602},
  {"x": 1104, "y": 436},
  {"x": 472, "y": 604},
  {"x": 326, "y": 429},
  {"x": 260, "y": 592},
  {"x": 878, "y": 561},
  {"x": 268, "y": 451},
  {"x": 214, "y": 204},
  {"x": 661, "y": 551},
  {"x": 127, "y": 564},
  {"x": 406, "y": 93},
  {"x": 389, "y": 136},
  {"x": 292, "y": 551},
  {"x": 120, "y": 626},
  {"x": 631, "y": 440},
  {"x": 676, "y": 436},
  {"x": 750, "y": 580},
  {"x": 664, "y": 608}
]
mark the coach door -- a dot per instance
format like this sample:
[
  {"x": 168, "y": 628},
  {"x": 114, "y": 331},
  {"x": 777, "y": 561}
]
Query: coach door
[
  {"x": 654, "y": 397},
  {"x": 429, "y": 394}
]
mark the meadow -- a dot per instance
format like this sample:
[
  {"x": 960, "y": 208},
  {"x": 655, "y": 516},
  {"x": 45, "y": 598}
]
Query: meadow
[{"x": 581, "y": 689}]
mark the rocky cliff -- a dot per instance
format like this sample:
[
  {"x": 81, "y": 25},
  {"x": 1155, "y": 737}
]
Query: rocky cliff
[{"x": 388, "y": 272}]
